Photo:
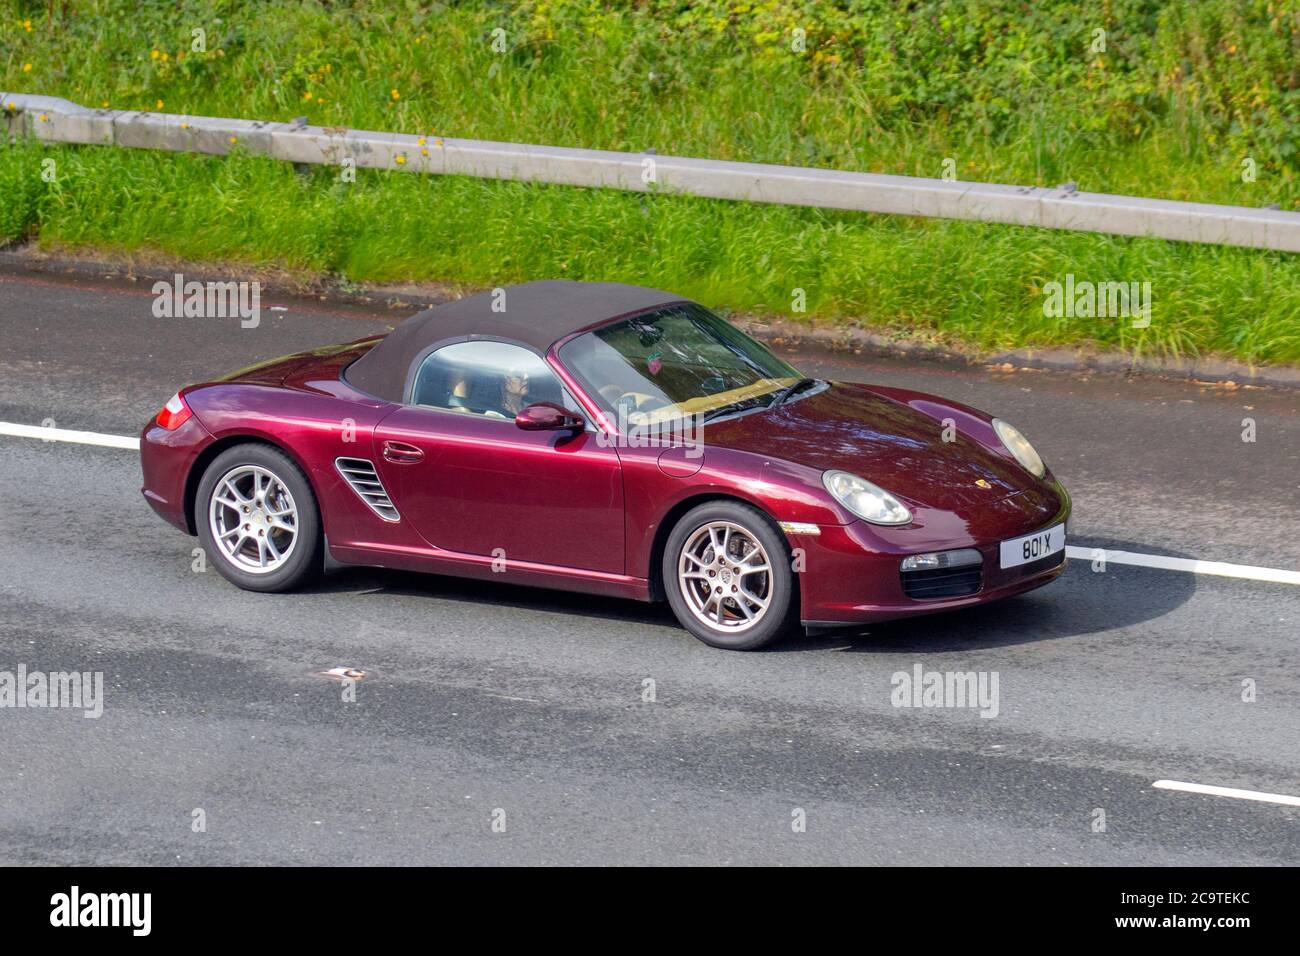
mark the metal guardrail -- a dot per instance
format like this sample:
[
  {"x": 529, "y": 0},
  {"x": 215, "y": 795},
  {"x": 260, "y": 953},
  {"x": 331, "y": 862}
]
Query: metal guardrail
[{"x": 52, "y": 119}]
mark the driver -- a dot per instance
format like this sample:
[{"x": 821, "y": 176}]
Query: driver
[{"x": 514, "y": 392}]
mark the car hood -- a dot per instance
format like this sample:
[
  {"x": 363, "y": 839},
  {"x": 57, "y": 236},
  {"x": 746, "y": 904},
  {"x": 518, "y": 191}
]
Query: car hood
[{"x": 852, "y": 428}]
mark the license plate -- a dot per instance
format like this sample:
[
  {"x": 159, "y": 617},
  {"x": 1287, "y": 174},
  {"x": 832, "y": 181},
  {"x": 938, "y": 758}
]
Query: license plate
[{"x": 1033, "y": 547}]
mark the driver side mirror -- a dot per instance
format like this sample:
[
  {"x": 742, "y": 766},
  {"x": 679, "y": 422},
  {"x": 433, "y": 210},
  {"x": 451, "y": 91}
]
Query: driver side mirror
[{"x": 547, "y": 416}]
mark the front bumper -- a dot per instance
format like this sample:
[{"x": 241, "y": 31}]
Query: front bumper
[{"x": 851, "y": 572}]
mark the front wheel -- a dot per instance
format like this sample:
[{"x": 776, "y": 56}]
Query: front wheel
[
  {"x": 257, "y": 519},
  {"x": 728, "y": 576}
]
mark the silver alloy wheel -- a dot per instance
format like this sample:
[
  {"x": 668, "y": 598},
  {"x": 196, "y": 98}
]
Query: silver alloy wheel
[
  {"x": 725, "y": 576},
  {"x": 253, "y": 519}
]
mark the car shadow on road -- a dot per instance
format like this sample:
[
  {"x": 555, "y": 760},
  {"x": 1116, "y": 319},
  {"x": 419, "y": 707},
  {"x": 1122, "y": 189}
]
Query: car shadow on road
[
  {"x": 471, "y": 591},
  {"x": 1085, "y": 600},
  {"x": 1082, "y": 601}
]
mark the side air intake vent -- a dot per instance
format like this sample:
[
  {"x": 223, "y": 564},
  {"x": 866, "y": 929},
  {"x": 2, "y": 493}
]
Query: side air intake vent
[{"x": 361, "y": 475}]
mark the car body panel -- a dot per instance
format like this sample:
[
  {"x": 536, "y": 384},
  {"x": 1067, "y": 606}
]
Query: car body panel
[
  {"x": 486, "y": 487},
  {"x": 856, "y": 429},
  {"x": 299, "y": 404},
  {"x": 852, "y": 571},
  {"x": 166, "y": 467}
]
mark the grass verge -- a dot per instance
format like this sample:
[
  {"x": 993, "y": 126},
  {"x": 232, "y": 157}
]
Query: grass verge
[{"x": 958, "y": 283}]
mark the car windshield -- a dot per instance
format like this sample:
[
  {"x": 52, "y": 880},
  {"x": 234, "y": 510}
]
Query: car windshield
[{"x": 674, "y": 362}]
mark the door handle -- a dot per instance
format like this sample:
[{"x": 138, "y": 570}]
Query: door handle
[{"x": 400, "y": 453}]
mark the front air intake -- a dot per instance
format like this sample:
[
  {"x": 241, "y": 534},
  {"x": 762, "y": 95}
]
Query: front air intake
[
  {"x": 361, "y": 475},
  {"x": 942, "y": 582}
]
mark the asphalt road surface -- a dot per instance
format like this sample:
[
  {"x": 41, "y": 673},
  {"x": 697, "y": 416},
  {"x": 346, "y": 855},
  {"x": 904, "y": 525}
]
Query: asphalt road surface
[{"x": 487, "y": 703}]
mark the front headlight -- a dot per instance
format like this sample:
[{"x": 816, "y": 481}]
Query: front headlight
[
  {"x": 1019, "y": 447},
  {"x": 864, "y": 499}
]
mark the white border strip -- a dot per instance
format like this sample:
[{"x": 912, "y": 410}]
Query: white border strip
[
  {"x": 65, "y": 434},
  {"x": 1190, "y": 565},
  {"x": 1284, "y": 799}
]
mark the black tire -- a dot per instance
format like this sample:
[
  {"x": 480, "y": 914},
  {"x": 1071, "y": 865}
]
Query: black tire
[
  {"x": 304, "y": 561},
  {"x": 782, "y": 612}
]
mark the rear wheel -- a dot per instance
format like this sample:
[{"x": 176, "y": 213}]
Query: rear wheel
[
  {"x": 257, "y": 519},
  {"x": 728, "y": 576}
]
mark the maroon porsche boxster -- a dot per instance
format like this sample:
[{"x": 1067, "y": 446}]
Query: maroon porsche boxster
[{"x": 614, "y": 440}]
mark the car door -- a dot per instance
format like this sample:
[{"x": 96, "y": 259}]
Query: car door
[{"x": 471, "y": 481}]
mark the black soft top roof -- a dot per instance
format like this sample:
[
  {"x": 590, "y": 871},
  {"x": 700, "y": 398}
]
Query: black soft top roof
[{"x": 536, "y": 315}]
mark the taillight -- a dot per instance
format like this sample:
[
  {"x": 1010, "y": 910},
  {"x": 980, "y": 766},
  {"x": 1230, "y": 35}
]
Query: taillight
[{"x": 174, "y": 414}]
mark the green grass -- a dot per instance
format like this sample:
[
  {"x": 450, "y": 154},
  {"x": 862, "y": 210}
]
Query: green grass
[
  {"x": 955, "y": 282},
  {"x": 1010, "y": 91}
]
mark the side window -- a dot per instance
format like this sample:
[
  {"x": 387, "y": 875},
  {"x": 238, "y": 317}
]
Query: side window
[{"x": 492, "y": 379}]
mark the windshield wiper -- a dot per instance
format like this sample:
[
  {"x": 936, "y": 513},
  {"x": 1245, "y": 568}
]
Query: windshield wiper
[
  {"x": 785, "y": 394},
  {"x": 731, "y": 409},
  {"x": 779, "y": 397}
]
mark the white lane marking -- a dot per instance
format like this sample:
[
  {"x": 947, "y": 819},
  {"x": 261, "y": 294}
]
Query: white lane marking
[
  {"x": 1190, "y": 565},
  {"x": 1282, "y": 798},
  {"x": 67, "y": 434}
]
